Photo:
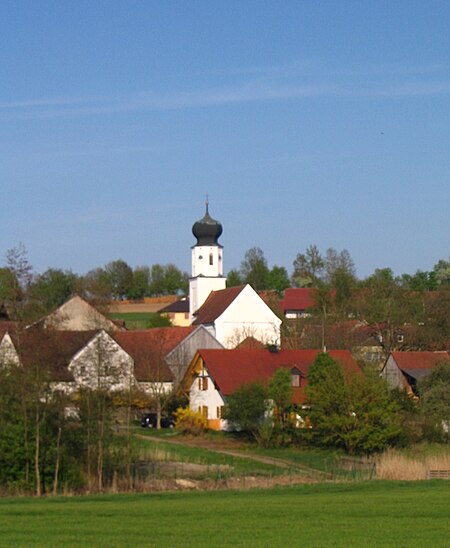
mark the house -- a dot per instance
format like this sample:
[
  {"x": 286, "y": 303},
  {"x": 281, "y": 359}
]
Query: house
[
  {"x": 69, "y": 360},
  {"x": 76, "y": 314},
  {"x": 177, "y": 312},
  {"x": 215, "y": 374},
  {"x": 235, "y": 313},
  {"x": 297, "y": 302},
  {"x": 404, "y": 369}
]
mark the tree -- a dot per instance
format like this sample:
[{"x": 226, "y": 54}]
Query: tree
[
  {"x": 254, "y": 269},
  {"x": 245, "y": 409},
  {"x": 280, "y": 392},
  {"x": 120, "y": 277},
  {"x": 54, "y": 287},
  {"x": 140, "y": 284},
  {"x": 387, "y": 306},
  {"x": 441, "y": 272},
  {"x": 354, "y": 412},
  {"x": 307, "y": 267},
  {"x": 15, "y": 281},
  {"x": 97, "y": 285},
  {"x": 434, "y": 391},
  {"x": 167, "y": 280},
  {"x": 234, "y": 278},
  {"x": 278, "y": 279}
]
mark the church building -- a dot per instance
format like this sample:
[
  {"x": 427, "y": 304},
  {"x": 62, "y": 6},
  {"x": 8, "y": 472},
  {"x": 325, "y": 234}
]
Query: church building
[{"x": 231, "y": 314}]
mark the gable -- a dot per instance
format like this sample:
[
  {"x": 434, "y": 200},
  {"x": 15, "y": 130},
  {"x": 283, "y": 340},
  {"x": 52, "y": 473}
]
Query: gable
[
  {"x": 248, "y": 308},
  {"x": 76, "y": 314}
]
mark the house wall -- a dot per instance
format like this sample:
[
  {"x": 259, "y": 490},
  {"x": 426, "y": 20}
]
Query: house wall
[
  {"x": 78, "y": 315},
  {"x": 247, "y": 316},
  {"x": 392, "y": 374},
  {"x": 200, "y": 288},
  {"x": 102, "y": 363},
  {"x": 210, "y": 398},
  {"x": 181, "y": 356},
  {"x": 8, "y": 354}
]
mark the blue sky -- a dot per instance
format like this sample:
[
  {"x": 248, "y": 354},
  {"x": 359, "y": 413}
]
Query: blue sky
[{"x": 305, "y": 122}]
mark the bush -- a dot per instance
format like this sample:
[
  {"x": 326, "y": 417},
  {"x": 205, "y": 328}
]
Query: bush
[{"x": 189, "y": 421}]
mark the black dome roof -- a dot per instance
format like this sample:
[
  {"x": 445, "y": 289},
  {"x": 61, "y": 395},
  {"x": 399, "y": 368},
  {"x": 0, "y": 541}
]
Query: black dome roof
[{"x": 207, "y": 230}]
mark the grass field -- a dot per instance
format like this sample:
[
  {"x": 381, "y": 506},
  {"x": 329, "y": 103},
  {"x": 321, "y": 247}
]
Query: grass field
[
  {"x": 140, "y": 320},
  {"x": 350, "y": 514}
]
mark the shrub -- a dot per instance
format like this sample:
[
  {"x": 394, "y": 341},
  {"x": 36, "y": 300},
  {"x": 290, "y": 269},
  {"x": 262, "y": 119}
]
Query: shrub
[{"x": 189, "y": 421}]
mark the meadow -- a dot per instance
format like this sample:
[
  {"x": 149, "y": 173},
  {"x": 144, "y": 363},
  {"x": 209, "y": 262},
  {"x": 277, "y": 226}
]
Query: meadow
[{"x": 336, "y": 514}]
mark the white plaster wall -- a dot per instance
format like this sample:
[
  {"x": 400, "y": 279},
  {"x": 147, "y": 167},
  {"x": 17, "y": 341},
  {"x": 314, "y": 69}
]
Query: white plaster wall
[
  {"x": 201, "y": 264},
  {"x": 248, "y": 315},
  {"x": 8, "y": 353},
  {"x": 199, "y": 290},
  {"x": 210, "y": 397},
  {"x": 102, "y": 363}
]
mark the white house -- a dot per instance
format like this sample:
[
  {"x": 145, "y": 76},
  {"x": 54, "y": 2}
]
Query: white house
[
  {"x": 236, "y": 313},
  {"x": 215, "y": 374}
]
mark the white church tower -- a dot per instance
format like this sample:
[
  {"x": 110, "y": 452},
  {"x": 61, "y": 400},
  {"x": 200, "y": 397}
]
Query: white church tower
[{"x": 207, "y": 262}]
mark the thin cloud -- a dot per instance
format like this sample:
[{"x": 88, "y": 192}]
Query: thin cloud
[{"x": 247, "y": 93}]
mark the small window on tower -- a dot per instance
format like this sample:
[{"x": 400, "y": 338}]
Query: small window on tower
[{"x": 211, "y": 260}]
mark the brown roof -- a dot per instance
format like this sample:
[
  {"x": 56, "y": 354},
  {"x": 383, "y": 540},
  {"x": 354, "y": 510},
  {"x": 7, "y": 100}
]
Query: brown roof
[
  {"x": 50, "y": 350},
  {"x": 233, "y": 368},
  {"x": 419, "y": 360},
  {"x": 149, "y": 347},
  {"x": 216, "y": 303},
  {"x": 179, "y": 306}
]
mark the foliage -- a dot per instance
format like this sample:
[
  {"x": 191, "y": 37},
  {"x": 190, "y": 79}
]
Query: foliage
[
  {"x": 234, "y": 278},
  {"x": 245, "y": 409},
  {"x": 189, "y": 421},
  {"x": 254, "y": 269},
  {"x": 54, "y": 287},
  {"x": 434, "y": 390},
  {"x": 278, "y": 279},
  {"x": 355, "y": 413},
  {"x": 120, "y": 277},
  {"x": 308, "y": 267},
  {"x": 280, "y": 393}
]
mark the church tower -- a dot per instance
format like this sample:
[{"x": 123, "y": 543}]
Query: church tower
[{"x": 207, "y": 262}]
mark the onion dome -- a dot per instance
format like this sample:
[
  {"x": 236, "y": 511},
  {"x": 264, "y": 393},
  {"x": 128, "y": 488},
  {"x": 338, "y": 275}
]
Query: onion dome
[{"x": 207, "y": 230}]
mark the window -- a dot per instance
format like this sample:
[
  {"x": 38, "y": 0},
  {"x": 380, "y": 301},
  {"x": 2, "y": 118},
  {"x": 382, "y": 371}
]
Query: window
[
  {"x": 205, "y": 411},
  {"x": 295, "y": 378},
  {"x": 203, "y": 383},
  {"x": 211, "y": 259},
  {"x": 400, "y": 338},
  {"x": 219, "y": 411},
  {"x": 83, "y": 370}
]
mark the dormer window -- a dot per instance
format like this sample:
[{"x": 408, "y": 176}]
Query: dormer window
[{"x": 296, "y": 378}]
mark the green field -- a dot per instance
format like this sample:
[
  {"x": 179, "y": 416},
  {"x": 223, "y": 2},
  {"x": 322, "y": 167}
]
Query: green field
[
  {"x": 349, "y": 514},
  {"x": 140, "y": 320}
]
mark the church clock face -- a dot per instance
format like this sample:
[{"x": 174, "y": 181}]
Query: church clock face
[{"x": 200, "y": 257}]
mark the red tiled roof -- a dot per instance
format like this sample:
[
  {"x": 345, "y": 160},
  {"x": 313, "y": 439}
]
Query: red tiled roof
[
  {"x": 233, "y": 368},
  {"x": 419, "y": 360},
  {"x": 216, "y": 303},
  {"x": 300, "y": 298},
  {"x": 251, "y": 342},
  {"x": 149, "y": 347}
]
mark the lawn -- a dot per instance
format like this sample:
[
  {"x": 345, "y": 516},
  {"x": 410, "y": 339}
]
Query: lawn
[
  {"x": 140, "y": 320},
  {"x": 350, "y": 514}
]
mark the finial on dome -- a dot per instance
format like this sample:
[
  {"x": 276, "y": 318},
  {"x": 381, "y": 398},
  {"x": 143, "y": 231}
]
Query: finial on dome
[{"x": 207, "y": 204}]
